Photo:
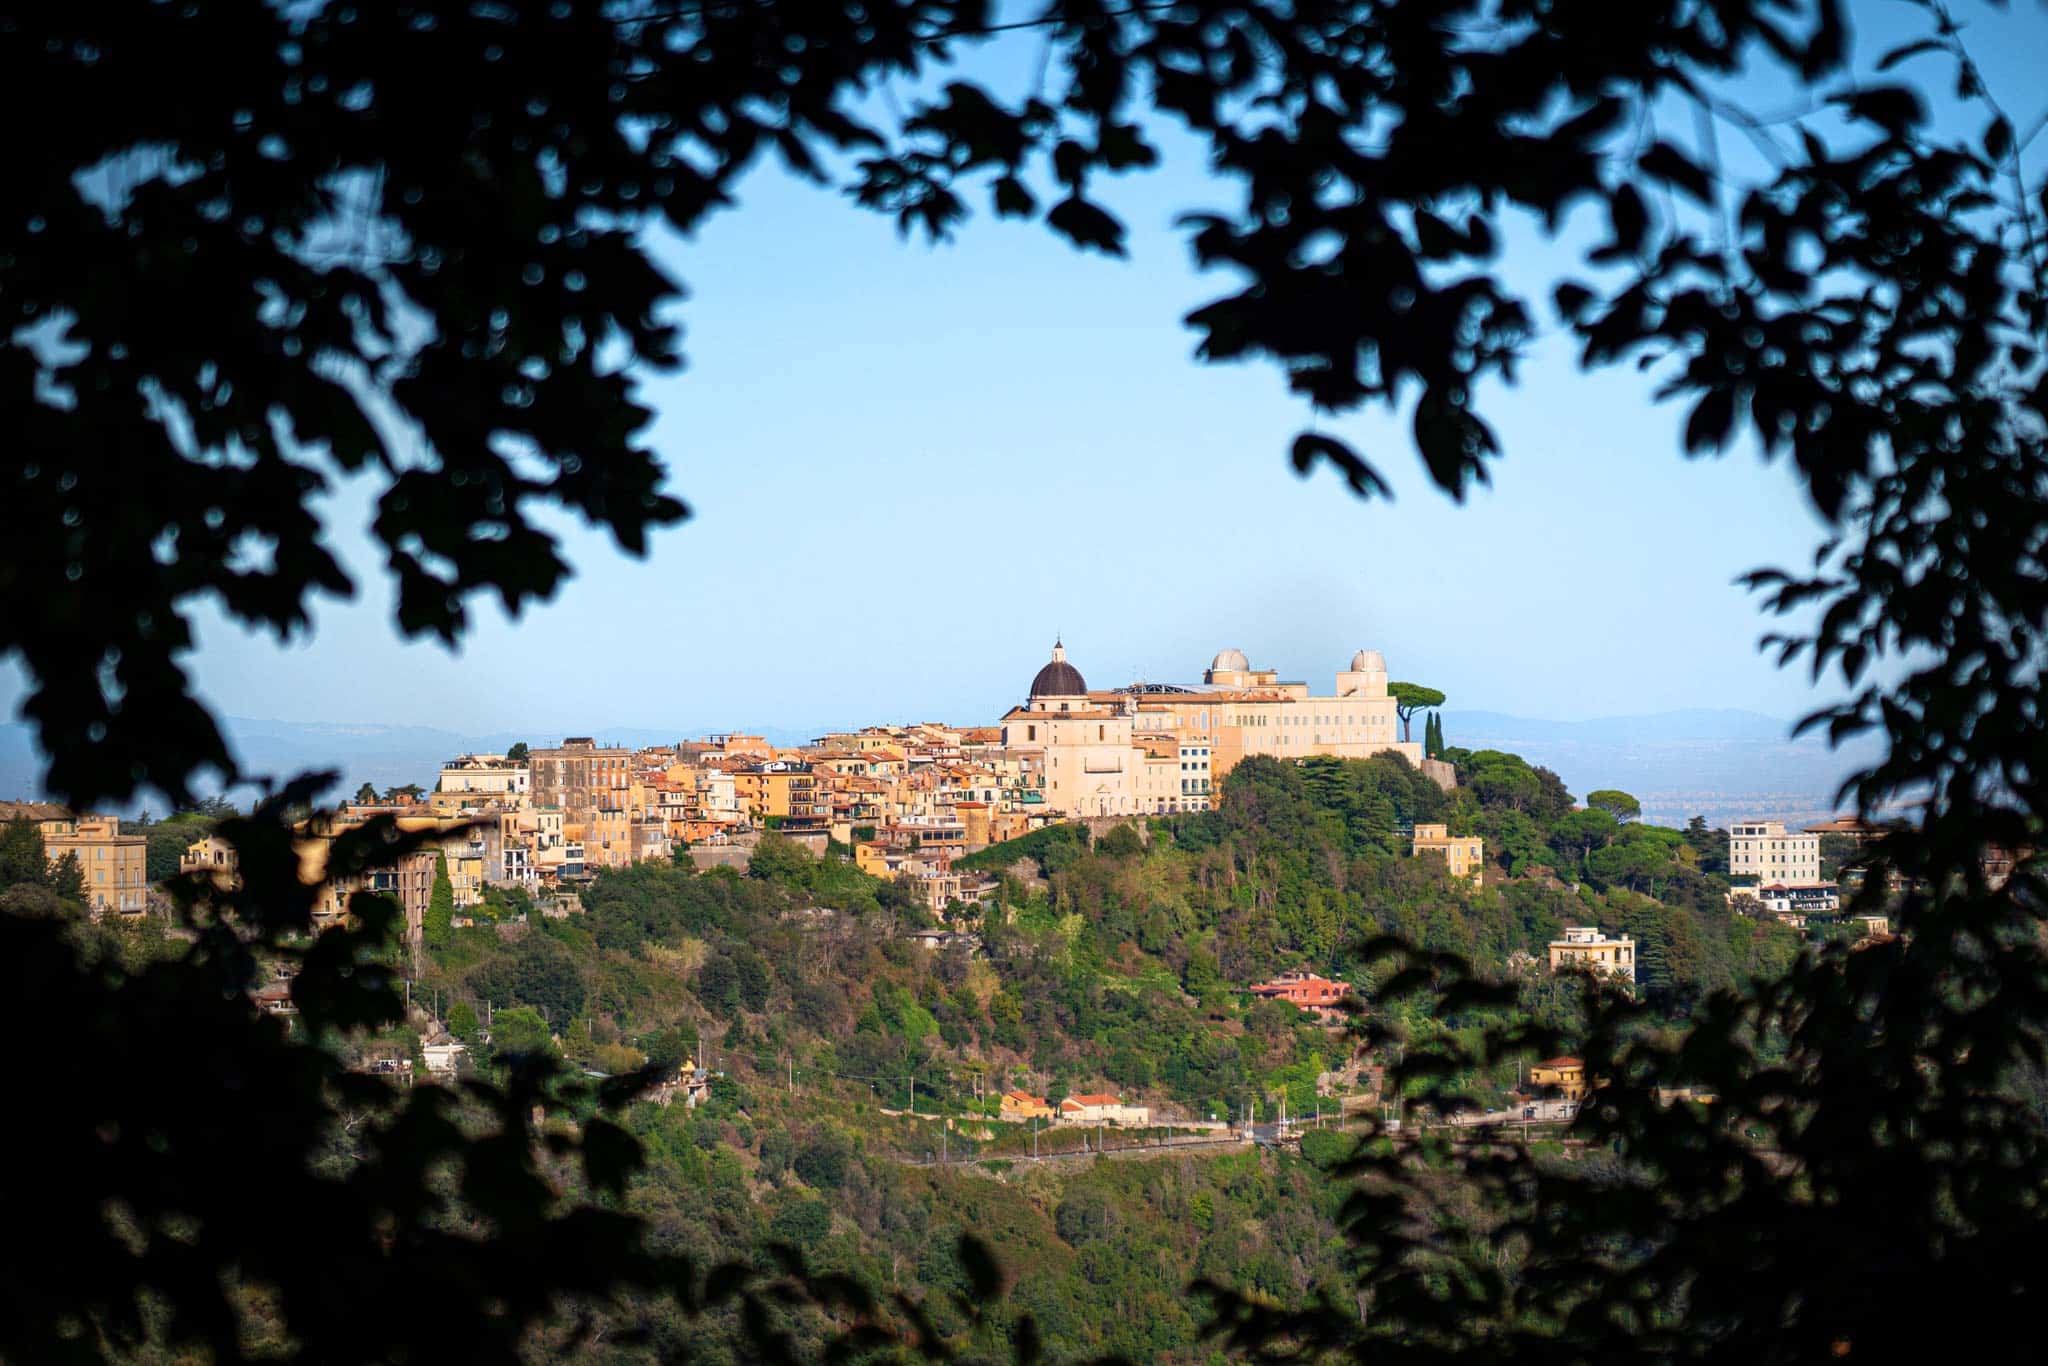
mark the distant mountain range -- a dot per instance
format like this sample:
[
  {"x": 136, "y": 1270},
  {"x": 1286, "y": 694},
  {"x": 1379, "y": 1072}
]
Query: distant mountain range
[
  {"x": 1724, "y": 765},
  {"x": 384, "y": 756}
]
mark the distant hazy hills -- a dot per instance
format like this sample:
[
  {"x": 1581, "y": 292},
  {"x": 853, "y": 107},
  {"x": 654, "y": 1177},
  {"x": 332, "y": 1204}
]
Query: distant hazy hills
[
  {"x": 384, "y": 756},
  {"x": 1723, "y": 765},
  {"x": 1720, "y": 764}
]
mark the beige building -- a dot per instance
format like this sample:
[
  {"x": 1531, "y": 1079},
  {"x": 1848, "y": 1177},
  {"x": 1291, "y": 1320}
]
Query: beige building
[
  {"x": 1102, "y": 1108},
  {"x": 1465, "y": 855},
  {"x": 1155, "y": 747},
  {"x": 592, "y": 786},
  {"x": 1242, "y": 711},
  {"x": 1766, "y": 851},
  {"x": 1586, "y": 948},
  {"x": 1091, "y": 767},
  {"x": 114, "y": 866},
  {"x": 474, "y": 780}
]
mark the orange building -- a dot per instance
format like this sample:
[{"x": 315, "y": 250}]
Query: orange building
[{"x": 1319, "y": 996}]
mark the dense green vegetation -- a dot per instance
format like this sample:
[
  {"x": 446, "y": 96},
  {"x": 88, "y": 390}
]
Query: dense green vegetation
[
  {"x": 1114, "y": 964},
  {"x": 1118, "y": 963}
]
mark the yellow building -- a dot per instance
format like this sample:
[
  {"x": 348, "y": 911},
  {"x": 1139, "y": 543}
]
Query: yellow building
[
  {"x": 1022, "y": 1105},
  {"x": 1567, "y": 1076},
  {"x": 784, "y": 790},
  {"x": 1586, "y": 948},
  {"x": 872, "y": 859},
  {"x": 1465, "y": 855},
  {"x": 114, "y": 866}
]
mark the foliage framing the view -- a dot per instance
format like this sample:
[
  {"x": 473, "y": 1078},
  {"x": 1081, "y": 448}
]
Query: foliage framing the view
[{"x": 404, "y": 239}]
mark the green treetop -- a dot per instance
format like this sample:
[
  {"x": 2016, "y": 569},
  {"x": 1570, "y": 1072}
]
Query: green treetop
[
  {"x": 1410, "y": 698},
  {"x": 1615, "y": 803}
]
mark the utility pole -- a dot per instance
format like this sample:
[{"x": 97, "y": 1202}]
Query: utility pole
[{"x": 1034, "y": 1138}]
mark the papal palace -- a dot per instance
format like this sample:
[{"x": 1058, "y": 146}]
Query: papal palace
[{"x": 1153, "y": 747}]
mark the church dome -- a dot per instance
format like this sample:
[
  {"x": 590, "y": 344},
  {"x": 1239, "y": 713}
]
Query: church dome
[
  {"x": 1059, "y": 678},
  {"x": 1368, "y": 661},
  {"x": 1230, "y": 661}
]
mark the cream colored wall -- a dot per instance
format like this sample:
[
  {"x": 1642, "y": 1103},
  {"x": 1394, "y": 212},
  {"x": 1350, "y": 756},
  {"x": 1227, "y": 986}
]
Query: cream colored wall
[
  {"x": 1090, "y": 767},
  {"x": 1768, "y": 852}
]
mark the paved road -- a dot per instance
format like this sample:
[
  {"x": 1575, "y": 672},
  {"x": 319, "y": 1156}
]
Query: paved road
[{"x": 1111, "y": 1149}]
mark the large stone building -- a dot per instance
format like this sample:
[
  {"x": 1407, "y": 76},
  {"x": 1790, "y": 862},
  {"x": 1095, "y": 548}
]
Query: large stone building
[
  {"x": 1091, "y": 767},
  {"x": 1157, "y": 747},
  {"x": 113, "y": 866},
  {"x": 592, "y": 787},
  {"x": 1766, "y": 851}
]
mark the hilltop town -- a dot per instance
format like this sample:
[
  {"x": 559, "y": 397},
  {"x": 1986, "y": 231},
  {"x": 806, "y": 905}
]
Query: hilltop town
[{"x": 1122, "y": 922}]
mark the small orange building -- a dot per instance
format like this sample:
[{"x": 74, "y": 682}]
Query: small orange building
[
  {"x": 1023, "y": 1105},
  {"x": 1320, "y": 996}
]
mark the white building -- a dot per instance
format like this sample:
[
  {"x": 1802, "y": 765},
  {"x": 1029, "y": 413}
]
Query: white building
[
  {"x": 472, "y": 780},
  {"x": 1767, "y": 852}
]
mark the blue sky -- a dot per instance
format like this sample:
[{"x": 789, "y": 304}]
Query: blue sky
[{"x": 911, "y": 466}]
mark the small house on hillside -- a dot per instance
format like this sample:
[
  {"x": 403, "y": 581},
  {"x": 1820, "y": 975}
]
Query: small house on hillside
[
  {"x": 1022, "y": 1105},
  {"x": 1320, "y": 996},
  {"x": 1566, "y": 1076},
  {"x": 1102, "y": 1108}
]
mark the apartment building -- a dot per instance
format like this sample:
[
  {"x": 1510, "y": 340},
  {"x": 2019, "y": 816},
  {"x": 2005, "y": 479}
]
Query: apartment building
[
  {"x": 591, "y": 785},
  {"x": 114, "y": 866},
  {"x": 474, "y": 780},
  {"x": 1766, "y": 851}
]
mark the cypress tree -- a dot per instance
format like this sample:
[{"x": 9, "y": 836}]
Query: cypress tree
[{"x": 439, "y": 927}]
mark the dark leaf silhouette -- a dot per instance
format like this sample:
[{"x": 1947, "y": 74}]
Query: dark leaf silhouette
[{"x": 230, "y": 291}]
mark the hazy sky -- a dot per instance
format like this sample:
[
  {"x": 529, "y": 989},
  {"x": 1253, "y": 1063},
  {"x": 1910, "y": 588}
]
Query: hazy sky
[{"x": 911, "y": 466}]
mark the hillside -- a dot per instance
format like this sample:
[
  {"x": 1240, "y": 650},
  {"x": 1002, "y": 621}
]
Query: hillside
[
  {"x": 840, "y": 1056},
  {"x": 1115, "y": 966}
]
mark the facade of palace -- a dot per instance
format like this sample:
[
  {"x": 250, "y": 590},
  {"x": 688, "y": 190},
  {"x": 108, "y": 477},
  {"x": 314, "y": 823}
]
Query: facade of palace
[{"x": 1151, "y": 748}]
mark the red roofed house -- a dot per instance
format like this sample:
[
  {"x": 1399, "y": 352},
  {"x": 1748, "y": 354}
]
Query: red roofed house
[
  {"x": 1318, "y": 995},
  {"x": 1101, "y": 1108},
  {"x": 1024, "y": 1105}
]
